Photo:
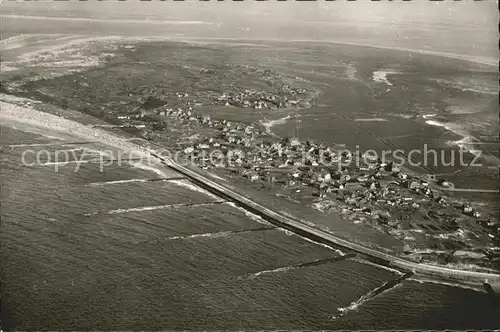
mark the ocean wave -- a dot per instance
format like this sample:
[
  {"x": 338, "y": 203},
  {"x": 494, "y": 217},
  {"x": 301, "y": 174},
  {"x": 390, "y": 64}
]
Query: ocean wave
[
  {"x": 365, "y": 262},
  {"x": 437, "y": 282},
  {"x": 152, "y": 208},
  {"x": 278, "y": 270},
  {"x": 188, "y": 185},
  {"x": 338, "y": 251},
  {"x": 149, "y": 168},
  {"x": 193, "y": 236},
  {"x": 249, "y": 214},
  {"x": 214, "y": 235},
  {"x": 94, "y": 184},
  {"x": 68, "y": 162}
]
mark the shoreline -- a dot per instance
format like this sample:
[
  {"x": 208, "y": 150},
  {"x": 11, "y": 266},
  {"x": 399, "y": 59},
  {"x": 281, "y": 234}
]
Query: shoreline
[
  {"x": 38, "y": 118},
  {"x": 491, "y": 62}
]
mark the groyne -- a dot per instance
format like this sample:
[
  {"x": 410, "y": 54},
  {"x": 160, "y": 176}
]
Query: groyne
[{"x": 471, "y": 278}]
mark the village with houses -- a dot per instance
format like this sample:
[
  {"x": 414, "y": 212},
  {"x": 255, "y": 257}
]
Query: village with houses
[{"x": 375, "y": 193}]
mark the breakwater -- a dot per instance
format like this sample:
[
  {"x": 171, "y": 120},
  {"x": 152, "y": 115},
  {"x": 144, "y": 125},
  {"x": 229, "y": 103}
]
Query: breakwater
[{"x": 325, "y": 261}]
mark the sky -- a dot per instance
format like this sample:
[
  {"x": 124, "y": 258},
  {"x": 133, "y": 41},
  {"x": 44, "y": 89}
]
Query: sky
[{"x": 462, "y": 27}]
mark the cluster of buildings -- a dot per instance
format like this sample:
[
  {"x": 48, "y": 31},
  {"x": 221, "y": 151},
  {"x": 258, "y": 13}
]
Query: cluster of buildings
[
  {"x": 373, "y": 191},
  {"x": 260, "y": 100},
  {"x": 326, "y": 171},
  {"x": 146, "y": 116}
]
